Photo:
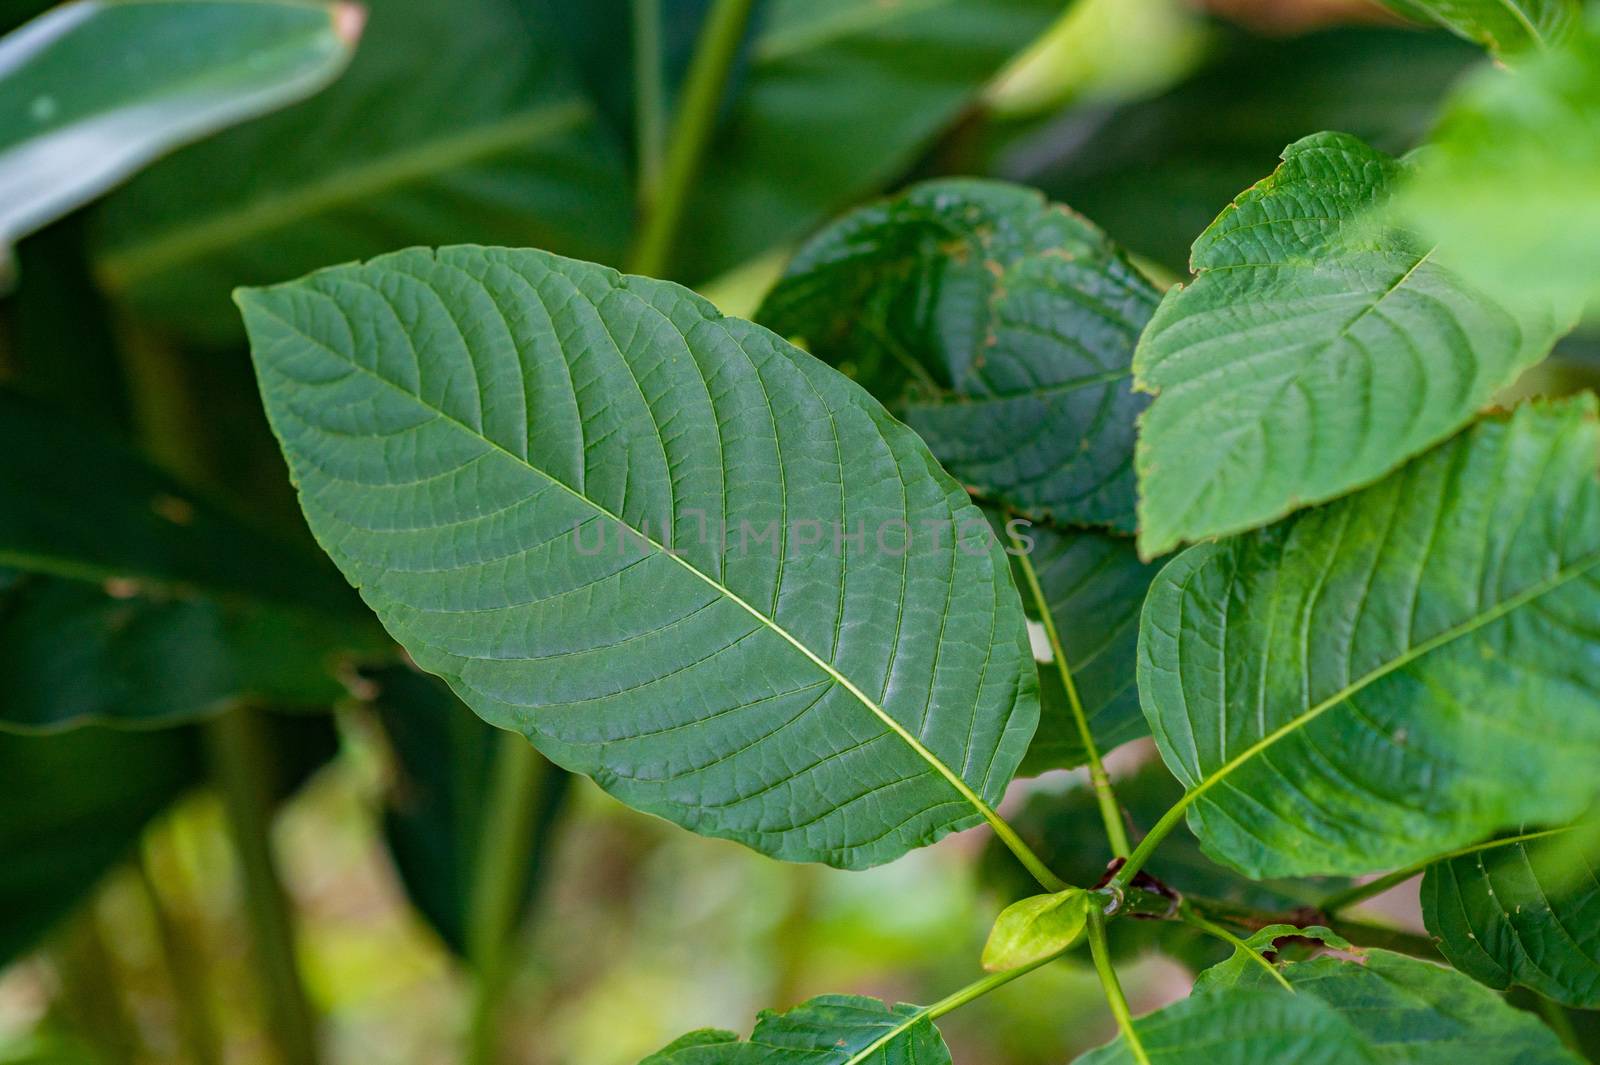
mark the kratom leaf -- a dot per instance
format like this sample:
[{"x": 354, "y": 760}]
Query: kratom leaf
[
  {"x": 1314, "y": 351},
  {"x": 1504, "y": 27},
  {"x": 93, "y": 90},
  {"x": 457, "y": 121},
  {"x": 1396, "y": 674},
  {"x": 1241, "y": 1028},
  {"x": 1506, "y": 185},
  {"x": 1035, "y": 928},
  {"x": 839, "y": 99},
  {"x": 999, "y": 326},
  {"x": 1405, "y": 1011},
  {"x": 499, "y": 447},
  {"x": 826, "y": 1030},
  {"x": 1242, "y": 968},
  {"x": 1094, "y": 587},
  {"x": 434, "y": 812},
  {"x": 1524, "y": 912}
]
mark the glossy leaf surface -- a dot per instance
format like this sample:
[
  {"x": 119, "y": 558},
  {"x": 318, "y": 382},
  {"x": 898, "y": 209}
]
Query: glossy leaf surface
[
  {"x": 1521, "y": 913},
  {"x": 1398, "y": 673},
  {"x": 497, "y": 447},
  {"x": 1000, "y": 327},
  {"x": 92, "y": 91},
  {"x": 826, "y": 1030},
  {"x": 1314, "y": 351},
  {"x": 1240, "y": 1028},
  {"x": 1502, "y": 26}
]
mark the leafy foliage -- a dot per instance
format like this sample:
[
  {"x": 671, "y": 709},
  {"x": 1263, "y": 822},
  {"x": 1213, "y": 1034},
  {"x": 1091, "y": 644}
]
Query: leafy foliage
[
  {"x": 1035, "y": 928},
  {"x": 1314, "y": 351},
  {"x": 1255, "y": 1027},
  {"x": 1522, "y": 912},
  {"x": 998, "y": 326},
  {"x": 73, "y": 124},
  {"x": 458, "y": 422},
  {"x": 1502, "y": 26},
  {"x": 827, "y": 1030},
  {"x": 1320, "y": 687}
]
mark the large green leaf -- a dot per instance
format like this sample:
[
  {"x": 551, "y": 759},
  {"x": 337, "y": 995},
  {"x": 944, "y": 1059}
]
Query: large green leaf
[
  {"x": 434, "y": 814},
  {"x": 1524, "y": 912},
  {"x": 1502, "y": 26},
  {"x": 1405, "y": 1011},
  {"x": 839, "y": 98},
  {"x": 1314, "y": 351},
  {"x": 1507, "y": 184},
  {"x": 457, "y": 121},
  {"x": 826, "y": 1030},
  {"x": 1396, "y": 674},
  {"x": 546, "y": 478},
  {"x": 94, "y": 90},
  {"x": 1237, "y": 1027},
  {"x": 999, "y": 326},
  {"x": 1093, "y": 586}
]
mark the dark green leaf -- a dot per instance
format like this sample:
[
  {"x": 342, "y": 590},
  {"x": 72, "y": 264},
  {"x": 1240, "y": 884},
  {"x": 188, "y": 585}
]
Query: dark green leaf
[
  {"x": 1524, "y": 912},
  {"x": 498, "y": 447},
  {"x": 457, "y": 121},
  {"x": 999, "y": 326},
  {"x": 1314, "y": 351},
  {"x": 1241, "y": 1028},
  {"x": 827, "y": 1030},
  {"x": 1502, "y": 26},
  {"x": 1396, "y": 674},
  {"x": 92, "y": 90},
  {"x": 434, "y": 815},
  {"x": 1507, "y": 184}
]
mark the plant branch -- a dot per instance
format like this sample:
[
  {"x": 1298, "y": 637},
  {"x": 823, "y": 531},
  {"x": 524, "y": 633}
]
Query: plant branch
[
  {"x": 1099, "y": 779},
  {"x": 691, "y": 132},
  {"x": 240, "y": 757},
  {"x": 649, "y": 108},
  {"x": 1113, "y": 989},
  {"x": 1147, "y": 846},
  {"x": 1343, "y": 900},
  {"x": 1187, "y": 914},
  {"x": 500, "y": 878}
]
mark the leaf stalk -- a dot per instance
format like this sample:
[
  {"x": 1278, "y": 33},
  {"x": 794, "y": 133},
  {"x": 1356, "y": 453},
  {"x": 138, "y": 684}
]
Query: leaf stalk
[{"x": 1118, "y": 1002}]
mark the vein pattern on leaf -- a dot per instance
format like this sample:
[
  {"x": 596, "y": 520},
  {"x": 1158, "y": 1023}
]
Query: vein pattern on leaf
[{"x": 459, "y": 423}]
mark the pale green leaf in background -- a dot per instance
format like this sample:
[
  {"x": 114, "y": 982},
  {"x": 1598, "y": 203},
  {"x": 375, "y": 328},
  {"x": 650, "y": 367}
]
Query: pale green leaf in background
[
  {"x": 498, "y": 449},
  {"x": 1314, "y": 351},
  {"x": 1034, "y": 928},
  {"x": 1524, "y": 912},
  {"x": 1505, "y": 27},
  {"x": 999, "y": 326},
  {"x": 1380, "y": 680},
  {"x": 826, "y": 1030},
  {"x": 92, "y": 91},
  {"x": 1507, "y": 184}
]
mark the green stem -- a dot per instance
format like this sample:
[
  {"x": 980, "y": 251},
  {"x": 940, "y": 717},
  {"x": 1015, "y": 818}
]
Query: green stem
[
  {"x": 648, "y": 107},
  {"x": 1555, "y": 1015},
  {"x": 1113, "y": 989},
  {"x": 500, "y": 879},
  {"x": 1147, "y": 846},
  {"x": 198, "y": 1032},
  {"x": 691, "y": 132},
  {"x": 1099, "y": 779},
  {"x": 1343, "y": 900},
  {"x": 240, "y": 758},
  {"x": 1188, "y": 915}
]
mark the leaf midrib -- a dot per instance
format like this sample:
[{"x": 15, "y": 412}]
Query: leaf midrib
[
  {"x": 1426, "y": 647},
  {"x": 916, "y": 745},
  {"x": 125, "y": 267}
]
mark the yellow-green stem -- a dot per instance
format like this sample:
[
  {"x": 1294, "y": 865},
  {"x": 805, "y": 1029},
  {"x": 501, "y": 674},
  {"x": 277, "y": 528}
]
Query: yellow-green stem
[{"x": 1112, "y": 988}]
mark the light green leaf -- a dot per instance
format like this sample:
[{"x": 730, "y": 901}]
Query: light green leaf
[
  {"x": 1314, "y": 351},
  {"x": 457, "y": 121},
  {"x": 1524, "y": 912},
  {"x": 826, "y": 1030},
  {"x": 1406, "y": 1012},
  {"x": 92, "y": 91},
  {"x": 999, "y": 326},
  {"x": 1396, "y": 674},
  {"x": 1506, "y": 185},
  {"x": 1504, "y": 27},
  {"x": 1237, "y": 1027},
  {"x": 499, "y": 447},
  {"x": 839, "y": 99},
  {"x": 1035, "y": 928},
  {"x": 434, "y": 811}
]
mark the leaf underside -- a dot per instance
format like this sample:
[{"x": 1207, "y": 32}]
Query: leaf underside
[
  {"x": 1396, "y": 674},
  {"x": 1314, "y": 351},
  {"x": 495, "y": 446}
]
